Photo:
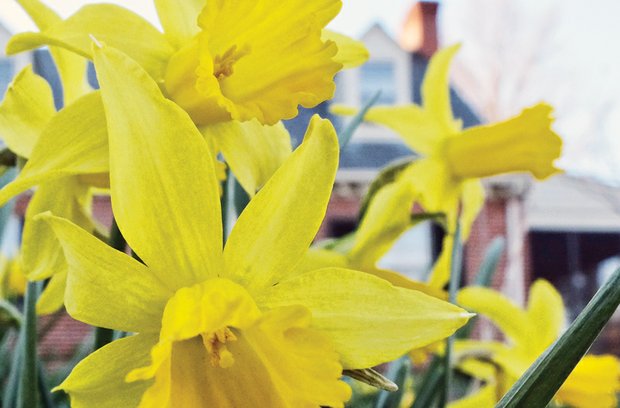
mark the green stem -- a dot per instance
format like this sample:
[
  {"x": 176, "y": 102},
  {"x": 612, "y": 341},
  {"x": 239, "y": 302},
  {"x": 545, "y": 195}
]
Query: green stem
[
  {"x": 227, "y": 192},
  {"x": 104, "y": 336},
  {"x": 46, "y": 397},
  {"x": 453, "y": 286},
  {"x": 9, "y": 399},
  {"x": 428, "y": 388},
  {"x": 28, "y": 384}
]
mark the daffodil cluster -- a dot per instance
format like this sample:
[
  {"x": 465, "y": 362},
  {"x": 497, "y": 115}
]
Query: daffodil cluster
[
  {"x": 209, "y": 324},
  {"x": 210, "y": 309}
]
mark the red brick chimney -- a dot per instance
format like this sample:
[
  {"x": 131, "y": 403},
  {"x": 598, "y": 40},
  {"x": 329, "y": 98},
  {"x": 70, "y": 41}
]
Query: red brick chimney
[{"x": 419, "y": 31}]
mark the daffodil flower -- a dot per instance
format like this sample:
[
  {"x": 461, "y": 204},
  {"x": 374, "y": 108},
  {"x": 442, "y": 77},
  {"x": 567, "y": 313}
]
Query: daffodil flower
[
  {"x": 594, "y": 381},
  {"x": 220, "y": 60},
  {"x": 376, "y": 234},
  {"x": 12, "y": 279},
  {"x": 27, "y": 114},
  {"x": 242, "y": 60},
  {"x": 446, "y": 179},
  {"x": 222, "y": 327}
]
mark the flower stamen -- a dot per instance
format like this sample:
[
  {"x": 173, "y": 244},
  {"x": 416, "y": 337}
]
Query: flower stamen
[
  {"x": 223, "y": 65},
  {"x": 215, "y": 344}
]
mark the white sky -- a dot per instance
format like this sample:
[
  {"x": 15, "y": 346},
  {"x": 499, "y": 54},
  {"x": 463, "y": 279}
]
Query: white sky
[{"x": 355, "y": 17}]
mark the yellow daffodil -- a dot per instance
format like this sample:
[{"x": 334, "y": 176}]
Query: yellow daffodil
[
  {"x": 27, "y": 115},
  {"x": 220, "y": 60},
  {"x": 222, "y": 327},
  {"x": 12, "y": 279},
  {"x": 244, "y": 60},
  {"x": 446, "y": 177},
  {"x": 373, "y": 238},
  {"x": 594, "y": 381}
]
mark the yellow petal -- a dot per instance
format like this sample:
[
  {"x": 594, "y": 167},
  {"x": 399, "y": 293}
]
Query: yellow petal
[
  {"x": 108, "y": 23},
  {"x": 252, "y": 150},
  {"x": 369, "y": 320},
  {"x": 41, "y": 254},
  {"x": 436, "y": 89},
  {"x": 525, "y": 142},
  {"x": 387, "y": 218},
  {"x": 594, "y": 382},
  {"x": 42, "y": 15},
  {"x": 485, "y": 396},
  {"x": 99, "y": 379},
  {"x": 401, "y": 281},
  {"x": 13, "y": 282},
  {"x": 53, "y": 296},
  {"x": 505, "y": 314},
  {"x": 272, "y": 359},
  {"x": 105, "y": 287},
  {"x": 472, "y": 201},
  {"x": 255, "y": 60},
  {"x": 74, "y": 142},
  {"x": 418, "y": 129},
  {"x": 440, "y": 275},
  {"x": 71, "y": 68},
  {"x": 546, "y": 310},
  {"x": 316, "y": 258},
  {"x": 158, "y": 160},
  {"x": 27, "y": 107},
  {"x": 351, "y": 53},
  {"x": 278, "y": 225},
  {"x": 179, "y": 19}
]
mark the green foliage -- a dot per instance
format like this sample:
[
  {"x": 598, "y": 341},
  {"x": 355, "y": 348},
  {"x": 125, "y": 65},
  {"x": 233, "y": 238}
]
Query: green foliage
[{"x": 543, "y": 379}]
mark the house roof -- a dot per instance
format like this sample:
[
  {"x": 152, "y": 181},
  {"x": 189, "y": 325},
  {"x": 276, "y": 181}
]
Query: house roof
[{"x": 567, "y": 203}]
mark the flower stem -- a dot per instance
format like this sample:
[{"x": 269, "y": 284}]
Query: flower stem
[
  {"x": 456, "y": 266},
  {"x": 104, "y": 336},
  {"x": 28, "y": 384}
]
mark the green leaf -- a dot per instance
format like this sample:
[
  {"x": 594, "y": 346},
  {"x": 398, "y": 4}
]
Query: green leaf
[
  {"x": 429, "y": 387},
  {"x": 386, "y": 176},
  {"x": 9, "y": 315},
  {"x": 488, "y": 267},
  {"x": 344, "y": 137},
  {"x": 543, "y": 379}
]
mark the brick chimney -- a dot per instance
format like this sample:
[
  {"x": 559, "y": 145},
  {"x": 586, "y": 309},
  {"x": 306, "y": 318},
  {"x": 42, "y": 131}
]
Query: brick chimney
[{"x": 419, "y": 31}]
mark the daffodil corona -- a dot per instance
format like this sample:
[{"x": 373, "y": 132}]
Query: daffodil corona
[{"x": 237, "y": 326}]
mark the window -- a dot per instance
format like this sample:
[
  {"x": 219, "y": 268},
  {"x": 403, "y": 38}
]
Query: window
[
  {"x": 378, "y": 76},
  {"x": 6, "y": 74},
  {"x": 411, "y": 254}
]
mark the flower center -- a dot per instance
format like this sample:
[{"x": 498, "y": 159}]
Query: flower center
[
  {"x": 215, "y": 344},
  {"x": 223, "y": 65}
]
